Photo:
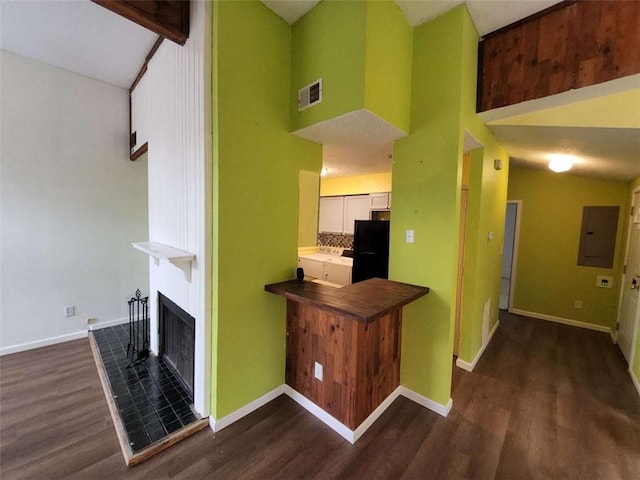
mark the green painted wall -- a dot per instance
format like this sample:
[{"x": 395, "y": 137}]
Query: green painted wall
[
  {"x": 329, "y": 43},
  {"x": 636, "y": 359},
  {"x": 255, "y": 200},
  {"x": 548, "y": 279},
  {"x": 426, "y": 187},
  {"x": 308, "y": 203},
  {"x": 389, "y": 40}
]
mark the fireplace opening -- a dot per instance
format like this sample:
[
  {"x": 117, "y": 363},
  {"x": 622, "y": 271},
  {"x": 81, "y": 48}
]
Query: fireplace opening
[{"x": 177, "y": 340}]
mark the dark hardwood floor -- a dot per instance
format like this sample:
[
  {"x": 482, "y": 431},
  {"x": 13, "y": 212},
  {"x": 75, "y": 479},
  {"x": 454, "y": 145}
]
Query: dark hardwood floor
[{"x": 546, "y": 401}]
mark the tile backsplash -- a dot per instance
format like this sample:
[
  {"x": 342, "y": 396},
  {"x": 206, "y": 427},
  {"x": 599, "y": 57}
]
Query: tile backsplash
[{"x": 335, "y": 240}]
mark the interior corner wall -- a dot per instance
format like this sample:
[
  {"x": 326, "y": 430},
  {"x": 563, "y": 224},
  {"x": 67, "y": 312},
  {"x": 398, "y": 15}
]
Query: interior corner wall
[
  {"x": 427, "y": 174},
  {"x": 71, "y": 204},
  {"x": 548, "y": 280},
  {"x": 255, "y": 192},
  {"x": 486, "y": 209},
  {"x": 179, "y": 174}
]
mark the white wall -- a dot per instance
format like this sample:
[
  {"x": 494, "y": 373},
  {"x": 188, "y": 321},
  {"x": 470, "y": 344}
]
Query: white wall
[
  {"x": 71, "y": 203},
  {"x": 179, "y": 184}
]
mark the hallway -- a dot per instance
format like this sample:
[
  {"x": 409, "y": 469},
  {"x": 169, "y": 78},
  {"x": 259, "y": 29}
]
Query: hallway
[{"x": 546, "y": 401}]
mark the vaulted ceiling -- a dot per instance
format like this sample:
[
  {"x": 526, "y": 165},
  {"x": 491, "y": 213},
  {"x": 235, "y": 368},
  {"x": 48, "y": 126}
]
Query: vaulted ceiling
[{"x": 601, "y": 125}]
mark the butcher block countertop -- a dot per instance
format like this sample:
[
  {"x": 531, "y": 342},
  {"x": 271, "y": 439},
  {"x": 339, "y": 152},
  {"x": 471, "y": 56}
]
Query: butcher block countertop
[{"x": 365, "y": 301}]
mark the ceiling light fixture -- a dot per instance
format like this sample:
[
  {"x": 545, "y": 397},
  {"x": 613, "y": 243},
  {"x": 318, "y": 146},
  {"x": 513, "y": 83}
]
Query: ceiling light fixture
[
  {"x": 324, "y": 171},
  {"x": 560, "y": 162}
]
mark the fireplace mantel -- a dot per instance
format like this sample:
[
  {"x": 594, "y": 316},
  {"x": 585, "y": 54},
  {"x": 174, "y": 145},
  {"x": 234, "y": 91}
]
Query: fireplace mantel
[{"x": 180, "y": 258}]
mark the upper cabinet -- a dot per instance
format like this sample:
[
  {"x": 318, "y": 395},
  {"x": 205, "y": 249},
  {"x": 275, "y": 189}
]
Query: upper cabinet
[
  {"x": 338, "y": 214},
  {"x": 356, "y": 207},
  {"x": 140, "y": 116},
  {"x": 331, "y": 214},
  {"x": 380, "y": 201}
]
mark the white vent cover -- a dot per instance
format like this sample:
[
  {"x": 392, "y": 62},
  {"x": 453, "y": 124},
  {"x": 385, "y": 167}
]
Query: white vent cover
[{"x": 310, "y": 95}]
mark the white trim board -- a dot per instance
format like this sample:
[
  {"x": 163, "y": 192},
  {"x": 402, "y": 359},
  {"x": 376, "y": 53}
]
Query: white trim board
[
  {"x": 345, "y": 432},
  {"x": 109, "y": 323},
  {"x": 634, "y": 379},
  {"x": 470, "y": 366},
  {"x": 564, "y": 321},
  {"x": 442, "y": 410},
  {"x": 217, "y": 425},
  {"x": 67, "y": 337},
  {"x": 45, "y": 342}
]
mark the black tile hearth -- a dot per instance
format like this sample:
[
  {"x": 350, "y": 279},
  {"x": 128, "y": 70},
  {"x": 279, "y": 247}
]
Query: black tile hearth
[{"x": 151, "y": 401}]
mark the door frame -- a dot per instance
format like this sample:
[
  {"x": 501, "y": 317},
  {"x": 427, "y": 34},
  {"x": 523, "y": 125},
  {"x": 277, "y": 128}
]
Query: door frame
[
  {"x": 623, "y": 280},
  {"x": 514, "y": 255},
  {"x": 464, "y": 193}
]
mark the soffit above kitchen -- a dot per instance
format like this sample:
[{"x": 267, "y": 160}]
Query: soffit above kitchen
[{"x": 78, "y": 36}]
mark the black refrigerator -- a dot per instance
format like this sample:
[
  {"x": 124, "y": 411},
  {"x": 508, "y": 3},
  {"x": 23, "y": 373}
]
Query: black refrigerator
[{"x": 370, "y": 250}]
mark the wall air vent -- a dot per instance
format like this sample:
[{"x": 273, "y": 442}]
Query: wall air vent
[{"x": 310, "y": 95}]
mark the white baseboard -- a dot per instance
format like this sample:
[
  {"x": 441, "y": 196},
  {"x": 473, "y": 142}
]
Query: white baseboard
[
  {"x": 427, "y": 403},
  {"x": 634, "y": 379},
  {"x": 217, "y": 425},
  {"x": 370, "y": 420},
  {"x": 45, "y": 342},
  {"x": 564, "y": 321},
  {"x": 329, "y": 420},
  {"x": 336, "y": 425},
  {"x": 67, "y": 337},
  {"x": 614, "y": 336},
  {"x": 108, "y": 323},
  {"x": 470, "y": 366}
]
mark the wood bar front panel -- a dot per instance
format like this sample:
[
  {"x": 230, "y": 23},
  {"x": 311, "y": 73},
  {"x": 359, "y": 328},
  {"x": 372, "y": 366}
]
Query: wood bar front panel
[
  {"x": 361, "y": 362},
  {"x": 573, "y": 45}
]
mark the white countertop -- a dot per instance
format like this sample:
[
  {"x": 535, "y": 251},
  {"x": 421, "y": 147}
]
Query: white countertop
[{"x": 325, "y": 257}]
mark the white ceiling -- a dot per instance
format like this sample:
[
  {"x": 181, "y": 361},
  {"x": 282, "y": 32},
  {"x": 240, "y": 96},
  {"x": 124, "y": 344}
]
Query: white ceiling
[
  {"x": 356, "y": 143},
  {"x": 76, "y": 35},
  {"x": 488, "y": 15},
  {"x": 605, "y": 153}
]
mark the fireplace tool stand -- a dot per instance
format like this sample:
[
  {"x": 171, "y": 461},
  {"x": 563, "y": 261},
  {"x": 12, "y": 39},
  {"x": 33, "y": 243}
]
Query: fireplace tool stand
[{"x": 138, "y": 347}]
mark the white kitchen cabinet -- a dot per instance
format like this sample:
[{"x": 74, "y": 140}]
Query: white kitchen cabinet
[
  {"x": 356, "y": 207},
  {"x": 338, "y": 274},
  {"x": 312, "y": 268},
  {"x": 331, "y": 214},
  {"x": 380, "y": 201}
]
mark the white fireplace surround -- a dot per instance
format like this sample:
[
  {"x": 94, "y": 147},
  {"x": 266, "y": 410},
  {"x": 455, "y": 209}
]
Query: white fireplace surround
[{"x": 178, "y": 90}]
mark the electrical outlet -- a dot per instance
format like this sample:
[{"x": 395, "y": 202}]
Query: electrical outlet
[
  {"x": 409, "y": 236},
  {"x": 604, "y": 282},
  {"x": 317, "y": 371},
  {"x": 70, "y": 311},
  {"x": 577, "y": 304}
]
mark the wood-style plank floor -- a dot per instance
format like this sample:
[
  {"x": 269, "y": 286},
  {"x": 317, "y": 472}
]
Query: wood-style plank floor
[{"x": 546, "y": 401}]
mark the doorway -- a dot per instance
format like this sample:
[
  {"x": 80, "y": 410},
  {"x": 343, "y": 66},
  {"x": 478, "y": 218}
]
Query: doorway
[
  {"x": 509, "y": 253},
  {"x": 629, "y": 296}
]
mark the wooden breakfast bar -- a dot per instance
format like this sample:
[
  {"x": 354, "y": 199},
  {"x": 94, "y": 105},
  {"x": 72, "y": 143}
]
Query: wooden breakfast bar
[{"x": 350, "y": 337}]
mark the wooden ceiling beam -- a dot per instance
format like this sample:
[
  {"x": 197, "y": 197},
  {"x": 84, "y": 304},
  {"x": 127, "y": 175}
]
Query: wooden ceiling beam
[{"x": 168, "y": 18}]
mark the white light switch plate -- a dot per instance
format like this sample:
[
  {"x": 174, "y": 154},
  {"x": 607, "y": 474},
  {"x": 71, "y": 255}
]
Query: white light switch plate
[{"x": 317, "y": 371}]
